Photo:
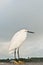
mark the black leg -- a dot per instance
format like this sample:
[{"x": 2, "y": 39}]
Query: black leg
[
  {"x": 15, "y": 54},
  {"x": 18, "y": 53}
]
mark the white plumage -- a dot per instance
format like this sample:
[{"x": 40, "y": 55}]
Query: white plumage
[{"x": 18, "y": 39}]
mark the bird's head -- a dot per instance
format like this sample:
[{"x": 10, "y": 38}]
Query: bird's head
[{"x": 25, "y": 30}]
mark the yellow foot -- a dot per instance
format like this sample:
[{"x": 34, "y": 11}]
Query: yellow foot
[{"x": 18, "y": 62}]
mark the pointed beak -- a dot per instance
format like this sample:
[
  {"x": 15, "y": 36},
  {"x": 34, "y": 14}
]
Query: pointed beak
[{"x": 30, "y": 32}]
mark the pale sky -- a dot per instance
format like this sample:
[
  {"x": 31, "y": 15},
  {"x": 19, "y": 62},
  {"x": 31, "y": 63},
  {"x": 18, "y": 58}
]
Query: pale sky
[{"x": 19, "y": 14}]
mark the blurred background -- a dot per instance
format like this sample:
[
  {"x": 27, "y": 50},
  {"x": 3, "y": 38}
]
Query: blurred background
[{"x": 19, "y": 14}]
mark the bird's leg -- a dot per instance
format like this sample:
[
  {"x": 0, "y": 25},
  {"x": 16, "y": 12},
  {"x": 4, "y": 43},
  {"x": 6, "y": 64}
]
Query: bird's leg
[
  {"x": 18, "y": 52},
  {"x": 15, "y": 53}
]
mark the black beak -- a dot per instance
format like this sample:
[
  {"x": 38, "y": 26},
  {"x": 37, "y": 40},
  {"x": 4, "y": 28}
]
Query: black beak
[{"x": 30, "y": 32}]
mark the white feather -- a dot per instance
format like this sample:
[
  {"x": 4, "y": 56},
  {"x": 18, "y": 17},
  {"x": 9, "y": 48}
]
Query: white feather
[{"x": 18, "y": 39}]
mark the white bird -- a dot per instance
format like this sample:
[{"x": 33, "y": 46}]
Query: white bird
[{"x": 17, "y": 40}]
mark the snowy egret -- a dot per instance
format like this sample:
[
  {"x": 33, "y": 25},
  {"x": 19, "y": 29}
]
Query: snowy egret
[{"x": 17, "y": 40}]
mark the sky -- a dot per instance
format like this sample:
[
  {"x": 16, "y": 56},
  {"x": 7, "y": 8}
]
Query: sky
[{"x": 16, "y": 15}]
